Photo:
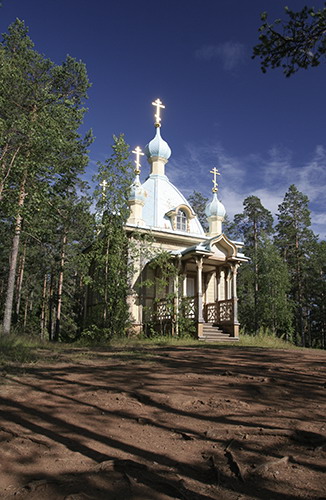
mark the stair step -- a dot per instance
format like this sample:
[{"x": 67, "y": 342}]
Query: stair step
[
  {"x": 218, "y": 339},
  {"x": 213, "y": 333}
]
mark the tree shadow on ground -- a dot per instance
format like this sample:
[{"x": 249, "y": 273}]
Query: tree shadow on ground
[{"x": 65, "y": 405}]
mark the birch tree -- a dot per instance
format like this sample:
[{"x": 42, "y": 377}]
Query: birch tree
[{"x": 41, "y": 109}]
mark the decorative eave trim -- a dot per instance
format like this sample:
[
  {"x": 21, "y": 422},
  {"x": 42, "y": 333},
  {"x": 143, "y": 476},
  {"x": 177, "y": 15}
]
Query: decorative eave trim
[
  {"x": 188, "y": 211},
  {"x": 225, "y": 243}
]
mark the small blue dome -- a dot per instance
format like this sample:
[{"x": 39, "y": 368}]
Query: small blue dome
[
  {"x": 158, "y": 147},
  {"x": 137, "y": 192},
  {"x": 215, "y": 208}
]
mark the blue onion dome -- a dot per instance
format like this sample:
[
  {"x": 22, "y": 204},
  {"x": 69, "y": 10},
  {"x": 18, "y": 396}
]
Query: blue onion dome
[
  {"x": 157, "y": 147},
  {"x": 215, "y": 208},
  {"x": 137, "y": 192}
]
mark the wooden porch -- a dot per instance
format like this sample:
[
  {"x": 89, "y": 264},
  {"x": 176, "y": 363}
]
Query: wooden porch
[{"x": 218, "y": 317}]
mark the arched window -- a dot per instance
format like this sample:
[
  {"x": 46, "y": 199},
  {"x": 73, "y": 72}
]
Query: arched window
[{"x": 181, "y": 221}]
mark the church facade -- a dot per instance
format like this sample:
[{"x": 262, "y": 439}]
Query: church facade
[{"x": 204, "y": 286}]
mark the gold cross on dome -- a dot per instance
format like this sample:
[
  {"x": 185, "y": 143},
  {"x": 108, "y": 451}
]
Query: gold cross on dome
[
  {"x": 215, "y": 172},
  {"x": 103, "y": 185},
  {"x": 159, "y": 105},
  {"x": 138, "y": 152}
]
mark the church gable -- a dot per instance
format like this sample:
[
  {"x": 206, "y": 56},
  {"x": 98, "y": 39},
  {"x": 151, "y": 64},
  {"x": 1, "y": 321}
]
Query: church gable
[{"x": 222, "y": 246}]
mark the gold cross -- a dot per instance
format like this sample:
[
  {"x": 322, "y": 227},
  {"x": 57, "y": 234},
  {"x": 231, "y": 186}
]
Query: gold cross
[
  {"x": 103, "y": 185},
  {"x": 159, "y": 105},
  {"x": 215, "y": 172},
  {"x": 138, "y": 152}
]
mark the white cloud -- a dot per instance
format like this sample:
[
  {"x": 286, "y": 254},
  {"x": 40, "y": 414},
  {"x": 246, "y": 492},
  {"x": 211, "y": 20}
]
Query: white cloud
[
  {"x": 266, "y": 176},
  {"x": 231, "y": 54}
]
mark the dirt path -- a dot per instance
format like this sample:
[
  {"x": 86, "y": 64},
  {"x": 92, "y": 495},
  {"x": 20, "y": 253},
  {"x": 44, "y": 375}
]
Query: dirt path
[{"x": 166, "y": 423}]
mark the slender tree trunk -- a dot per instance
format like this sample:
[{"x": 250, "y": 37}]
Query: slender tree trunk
[
  {"x": 256, "y": 276},
  {"x": 60, "y": 287},
  {"x": 43, "y": 311},
  {"x": 299, "y": 295},
  {"x": 25, "y": 314},
  {"x": 20, "y": 281},
  {"x": 5, "y": 171},
  {"x": 106, "y": 283},
  {"x": 50, "y": 323},
  {"x": 13, "y": 261}
]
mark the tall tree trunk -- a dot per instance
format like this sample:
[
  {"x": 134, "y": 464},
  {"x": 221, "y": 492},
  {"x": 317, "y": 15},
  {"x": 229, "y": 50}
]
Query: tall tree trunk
[
  {"x": 299, "y": 294},
  {"x": 60, "y": 287},
  {"x": 20, "y": 282},
  {"x": 25, "y": 313},
  {"x": 50, "y": 323},
  {"x": 13, "y": 261},
  {"x": 106, "y": 283},
  {"x": 256, "y": 276},
  {"x": 43, "y": 311},
  {"x": 5, "y": 170}
]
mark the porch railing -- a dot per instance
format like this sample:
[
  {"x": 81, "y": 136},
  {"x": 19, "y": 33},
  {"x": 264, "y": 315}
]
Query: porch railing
[
  {"x": 219, "y": 312},
  {"x": 189, "y": 307},
  {"x": 215, "y": 312},
  {"x": 164, "y": 309}
]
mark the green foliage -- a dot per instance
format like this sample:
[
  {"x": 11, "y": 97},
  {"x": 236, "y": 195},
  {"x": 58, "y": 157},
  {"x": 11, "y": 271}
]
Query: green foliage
[
  {"x": 186, "y": 324},
  {"x": 282, "y": 289},
  {"x": 299, "y": 42},
  {"x": 198, "y": 203},
  {"x": 264, "y": 339},
  {"x": 117, "y": 172},
  {"x": 42, "y": 156},
  {"x": 166, "y": 282},
  {"x": 95, "y": 335},
  {"x": 18, "y": 350},
  {"x": 254, "y": 226},
  {"x": 296, "y": 243},
  {"x": 110, "y": 254},
  {"x": 274, "y": 308},
  {"x": 316, "y": 331}
]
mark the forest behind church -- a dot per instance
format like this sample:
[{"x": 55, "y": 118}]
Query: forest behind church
[{"x": 54, "y": 232}]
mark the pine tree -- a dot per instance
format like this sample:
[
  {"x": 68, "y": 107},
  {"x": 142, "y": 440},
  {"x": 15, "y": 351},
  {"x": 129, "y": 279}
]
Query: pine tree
[
  {"x": 299, "y": 42},
  {"x": 316, "y": 291},
  {"x": 274, "y": 310},
  {"x": 41, "y": 111},
  {"x": 253, "y": 225},
  {"x": 296, "y": 242},
  {"x": 198, "y": 203}
]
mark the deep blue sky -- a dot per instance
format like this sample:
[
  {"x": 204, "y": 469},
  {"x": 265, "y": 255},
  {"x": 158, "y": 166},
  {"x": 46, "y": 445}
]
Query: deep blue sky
[{"x": 263, "y": 132}]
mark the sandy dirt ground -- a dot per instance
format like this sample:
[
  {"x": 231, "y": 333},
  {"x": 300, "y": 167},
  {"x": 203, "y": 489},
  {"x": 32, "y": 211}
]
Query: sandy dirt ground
[{"x": 165, "y": 423}]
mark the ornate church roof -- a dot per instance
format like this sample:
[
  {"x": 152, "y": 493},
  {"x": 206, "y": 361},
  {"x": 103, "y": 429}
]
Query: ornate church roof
[
  {"x": 162, "y": 198},
  {"x": 158, "y": 147},
  {"x": 162, "y": 202}
]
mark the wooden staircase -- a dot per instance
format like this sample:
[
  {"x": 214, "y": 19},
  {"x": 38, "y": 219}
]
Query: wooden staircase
[{"x": 213, "y": 333}]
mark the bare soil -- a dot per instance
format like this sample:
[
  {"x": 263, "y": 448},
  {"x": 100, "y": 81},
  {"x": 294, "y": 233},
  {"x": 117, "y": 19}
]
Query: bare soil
[{"x": 193, "y": 423}]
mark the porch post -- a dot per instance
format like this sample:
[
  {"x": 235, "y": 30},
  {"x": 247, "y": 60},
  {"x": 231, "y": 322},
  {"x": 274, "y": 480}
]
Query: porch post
[
  {"x": 217, "y": 282},
  {"x": 175, "y": 330},
  {"x": 217, "y": 293},
  {"x": 200, "y": 319},
  {"x": 184, "y": 284},
  {"x": 133, "y": 300},
  {"x": 235, "y": 300}
]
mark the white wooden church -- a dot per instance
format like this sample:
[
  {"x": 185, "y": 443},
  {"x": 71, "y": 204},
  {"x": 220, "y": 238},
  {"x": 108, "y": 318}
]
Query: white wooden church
[{"x": 207, "y": 262}]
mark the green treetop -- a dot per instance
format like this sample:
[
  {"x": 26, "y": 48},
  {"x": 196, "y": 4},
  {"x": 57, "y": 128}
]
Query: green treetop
[{"x": 299, "y": 42}]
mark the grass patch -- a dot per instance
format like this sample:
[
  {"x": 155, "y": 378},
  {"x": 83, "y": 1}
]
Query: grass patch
[
  {"x": 266, "y": 341},
  {"x": 18, "y": 349},
  {"x": 27, "y": 349},
  {"x": 22, "y": 349}
]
